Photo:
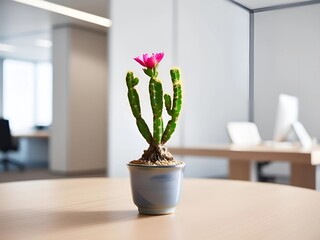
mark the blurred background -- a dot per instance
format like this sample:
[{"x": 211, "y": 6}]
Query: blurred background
[{"x": 62, "y": 79}]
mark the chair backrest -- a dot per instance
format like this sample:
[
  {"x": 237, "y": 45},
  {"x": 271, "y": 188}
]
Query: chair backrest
[
  {"x": 5, "y": 135},
  {"x": 244, "y": 133}
]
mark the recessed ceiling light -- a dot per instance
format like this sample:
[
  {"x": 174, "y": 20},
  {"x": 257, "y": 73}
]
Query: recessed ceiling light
[
  {"x": 6, "y": 48},
  {"x": 70, "y": 12},
  {"x": 43, "y": 43}
]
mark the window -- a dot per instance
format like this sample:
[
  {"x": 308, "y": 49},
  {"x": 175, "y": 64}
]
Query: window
[
  {"x": 43, "y": 94},
  {"x": 27, "y": 93}
]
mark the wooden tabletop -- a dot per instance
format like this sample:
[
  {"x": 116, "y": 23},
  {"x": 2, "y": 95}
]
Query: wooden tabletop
[{"x": 101, "y": 208}]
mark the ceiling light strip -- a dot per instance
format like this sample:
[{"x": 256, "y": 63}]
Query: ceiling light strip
[
  {"x": 70, "y": 12},
  {"x": 6, "y": 48},
  {"x": 43, "y": 43}
]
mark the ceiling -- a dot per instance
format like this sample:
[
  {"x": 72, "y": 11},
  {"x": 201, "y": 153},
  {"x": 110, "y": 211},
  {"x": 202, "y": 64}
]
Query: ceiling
[
  {"x": 21, "y": 25},
  {"x": 255, "y": 4}
]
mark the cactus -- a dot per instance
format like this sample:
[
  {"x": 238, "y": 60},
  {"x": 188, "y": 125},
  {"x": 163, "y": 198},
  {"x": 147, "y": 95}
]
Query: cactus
[{"x": 156, "y": 150}]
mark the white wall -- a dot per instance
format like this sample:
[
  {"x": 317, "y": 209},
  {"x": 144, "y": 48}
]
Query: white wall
[
  {"x": 212, "y": 51},
  {"x": 59, "y": 128},
  {"x": 287, "y": 60},
  {"x": 78, "y": 132},
  {"x": 138, "y": 27}
]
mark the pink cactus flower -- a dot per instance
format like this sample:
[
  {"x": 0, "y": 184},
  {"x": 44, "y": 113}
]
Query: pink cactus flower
[{"x": 150, "y": 62}]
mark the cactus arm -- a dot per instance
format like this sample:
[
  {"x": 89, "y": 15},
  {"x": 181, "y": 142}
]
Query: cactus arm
[
  {"x": 134, "y": 101},
  {"x": 156, "y": 95},
  {"x": 177, "y": 92},
  {"x": 167, "y": 101},
  {"x": 171, "y": 127},
  {"x": 176, "y": 105},
  {"x": 144, "y": 130}
]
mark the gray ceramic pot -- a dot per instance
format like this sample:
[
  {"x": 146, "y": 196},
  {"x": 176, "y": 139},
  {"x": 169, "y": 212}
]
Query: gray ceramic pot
[{"x": 156, "y": 189}]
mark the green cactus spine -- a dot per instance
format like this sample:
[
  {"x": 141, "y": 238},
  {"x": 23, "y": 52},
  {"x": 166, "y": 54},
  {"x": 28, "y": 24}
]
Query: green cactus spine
[
  {"x": 134, "y": 101},
  {"x": 173, "y": 111}
]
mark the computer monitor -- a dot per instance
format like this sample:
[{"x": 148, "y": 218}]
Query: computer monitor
[
  {"x": 302, "y": 134},
  {"x": 287, "y": 115}
]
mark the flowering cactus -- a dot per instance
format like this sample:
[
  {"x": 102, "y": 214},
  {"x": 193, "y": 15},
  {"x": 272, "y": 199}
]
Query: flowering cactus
[
  {"x": 150, "y": 62},
  {"x": 161, "y": 135}
]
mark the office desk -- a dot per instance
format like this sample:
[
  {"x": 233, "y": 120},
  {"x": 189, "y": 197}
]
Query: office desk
[
  {"x": 44, "y": 134},
  {"x": 33, "y": 147},
  {"x": 100, "y": 208},
  {"x": 305, "y": 169}
]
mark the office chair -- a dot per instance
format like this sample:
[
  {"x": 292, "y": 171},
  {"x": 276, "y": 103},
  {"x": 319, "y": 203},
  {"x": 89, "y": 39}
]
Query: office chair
[
  {"x": 7, "y": 143},
  {"x": 247, "y": 134}
]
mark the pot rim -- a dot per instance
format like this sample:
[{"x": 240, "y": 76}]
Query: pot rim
[{"x": 156, "y": 166}]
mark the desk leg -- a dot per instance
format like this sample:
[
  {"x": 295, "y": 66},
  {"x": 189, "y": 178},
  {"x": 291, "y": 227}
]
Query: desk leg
[
  {"x": 242, "y": 170},
  {"x": 303, "y": 175}
]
